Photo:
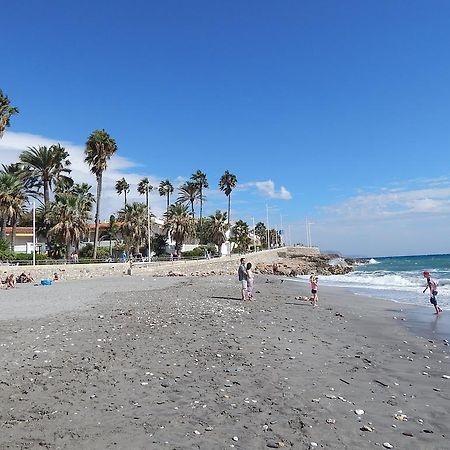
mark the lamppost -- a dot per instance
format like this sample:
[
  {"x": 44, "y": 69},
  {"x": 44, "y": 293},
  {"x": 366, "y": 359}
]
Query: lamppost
[{"x": 149, "y": 226}]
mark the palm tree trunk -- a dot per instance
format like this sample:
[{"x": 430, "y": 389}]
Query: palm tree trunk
[
  {"x": 168, "y": 201},
  {"x": 97, "y": 213},
  {"x": 13, "y": 231},
  {"x": 125, "y": 192},
  {"x": 2, "y": 228},
  {"x": 201, "y": 208},
  {"x": 229, "y": 204}
]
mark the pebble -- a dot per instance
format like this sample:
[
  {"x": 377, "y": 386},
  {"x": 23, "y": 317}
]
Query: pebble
[
  {"x": 366, "y": 428},
  {"x": 313, "y": 445},
  {"x": 447, "y": 377},
  {"x": 359, "y": 412},
  {"x": 235, "y": 438},
  {"x": 331, "y": 421},
  {"x": 275, "y": 444},
  {"x": 387, "y": 445}
]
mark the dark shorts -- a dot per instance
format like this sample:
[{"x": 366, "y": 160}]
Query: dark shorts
[
  {"x": 313, "y": 291},
  {"x": 433, "y": 300}
]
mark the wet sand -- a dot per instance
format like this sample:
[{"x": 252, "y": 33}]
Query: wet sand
[{"x": 182, "y": 363}]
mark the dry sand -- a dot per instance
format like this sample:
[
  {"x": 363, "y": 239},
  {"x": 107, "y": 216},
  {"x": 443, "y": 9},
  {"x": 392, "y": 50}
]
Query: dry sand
[{"x": 182, "y": 363}]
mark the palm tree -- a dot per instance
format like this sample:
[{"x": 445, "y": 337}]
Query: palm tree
[
  {"x": 241, "y": 236},
  {"x": 165, "y": 189},
  {"x": 144, "y": 187},
  {"x": 12, "y": 202},
  {"x": 113, "y": 229},
  {"x": 6, "y": 111},
  {"x": 227, "y": 183},
  {"x": 100, "y": 146},
  {"x": 134, "y": 225},
  {"x": 216, "y": 228},
  {"x": 261, "y": 232},
  {"x": 189, "y": 193},
  {"x": 122, "y": 186},
  {"x": 69, "y": 214},
  {"x": 178, "y": 223},
  {"x": 47, "y": 165},
  {"x": 200, "y": 178}
]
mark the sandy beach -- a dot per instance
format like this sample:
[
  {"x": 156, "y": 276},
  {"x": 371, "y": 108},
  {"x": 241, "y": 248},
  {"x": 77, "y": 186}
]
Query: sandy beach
[{"x": 148, "y": 362}]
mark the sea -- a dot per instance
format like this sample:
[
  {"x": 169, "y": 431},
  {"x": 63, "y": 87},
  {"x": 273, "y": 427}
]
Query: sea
[{"x": 397, "y": 278}]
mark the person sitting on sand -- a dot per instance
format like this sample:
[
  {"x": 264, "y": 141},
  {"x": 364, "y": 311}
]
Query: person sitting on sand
[
  {"x": 250, "y": 279},
  {"x": 10, "y": 281},
  {"x": 242, "y": 275},
  {"x": 314, "y": 280},
  {"x": 432, "y": 286},
  {"x": 30, "y": 278},
  {"x": 22, "y": 278},
  {"x": 55, "y": 276}
]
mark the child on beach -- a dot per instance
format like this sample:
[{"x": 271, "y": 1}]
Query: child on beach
[
  {"x": 314, "y": 280},
  {"x": 250, "y": 278},
  {"x": 432, "y": 286}
]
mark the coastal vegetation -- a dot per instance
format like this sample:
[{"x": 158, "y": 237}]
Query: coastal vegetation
[{"x": 65, "y": 208}]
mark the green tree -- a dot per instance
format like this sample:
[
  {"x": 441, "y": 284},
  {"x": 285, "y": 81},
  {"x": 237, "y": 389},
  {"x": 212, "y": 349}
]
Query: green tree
[
  {"x": 6, "y": 112},
  {"x": 227, "y": 183},
  {"x": 261, "y": 232},
  {"x": 12, "y": 202},
  {"x": 47, "y": 165},
  {"x": 69, "y": 215},
  {"x": 189, "y": 194},
  {"x": 200, "y": 178},
  {"x": 165, "y": 189},
  {"x": 241, "y": 236},
  {"x": 216, "y": 227},
  {"x": 144, "y": 187},
  {"x": 100, "y": 146},
  {"x": 113, "y": 231},
  {"x": 159, "y": 244},
  {"x": 178, "y": 223},
  {"x": 123, "y": 187},
  {"x": 134, "y": 225}
]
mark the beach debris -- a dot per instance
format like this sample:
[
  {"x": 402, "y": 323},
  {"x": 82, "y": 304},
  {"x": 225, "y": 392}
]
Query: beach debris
[
  {"x": 428, "y": 431},
  {"x": 401, "y": 417},
  {"x": 235, "y": 438},
  {"x": 275, "y": 444},
  {"x": 196, "y": 432},
  {"x": 316, "y": 400},
  {"x": 346, "y": 382},
  {"x": 407, "y": 433},
  {"x": 381, "y": 383},
  {"x": 366, "y": 428},
  {"x": 331, "y": 421},
  {"x": 331, "y": 396},
  {"x": 387, "y": 445},
  {"x": 446, "y": 377},
  {"x": 313, "y": 444},
  {"x": 359, "y": 412}
]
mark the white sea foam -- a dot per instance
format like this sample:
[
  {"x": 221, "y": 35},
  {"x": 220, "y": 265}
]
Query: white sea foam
[{"x": 404, "y": 287}]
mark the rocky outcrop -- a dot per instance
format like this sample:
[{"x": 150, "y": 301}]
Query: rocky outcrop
[{"x": 305, "y": 265}]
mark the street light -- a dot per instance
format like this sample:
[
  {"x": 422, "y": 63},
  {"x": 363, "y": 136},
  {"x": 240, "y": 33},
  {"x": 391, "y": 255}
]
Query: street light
[{"x": 149, "y": 226}]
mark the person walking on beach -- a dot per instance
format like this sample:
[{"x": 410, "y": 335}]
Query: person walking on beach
[
  {"x": 250, "y": 279},
  {"x": 314, "y": 280},
  {"x": 432, "y": 286},
  {"x": 242, "y": 275}
]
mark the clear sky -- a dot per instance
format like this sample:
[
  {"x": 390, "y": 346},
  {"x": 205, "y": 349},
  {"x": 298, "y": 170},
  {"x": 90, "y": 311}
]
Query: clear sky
[{"x": 335, "y": 111}]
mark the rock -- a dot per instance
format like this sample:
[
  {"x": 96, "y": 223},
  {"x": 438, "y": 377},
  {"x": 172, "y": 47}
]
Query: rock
[
  {"x": 387, "y": 445},
  {"x": 446, "y": 377},
  {"x": 331, "y": 421},
  {"x": 366, "y": 428},
  {"x": 275, "y": 444},
  {"x": 407, "y": 433},
  {"x": 235, "y": 438},
  {"x": 359, "y": 412},
  {"x": 401, "y": 417}
]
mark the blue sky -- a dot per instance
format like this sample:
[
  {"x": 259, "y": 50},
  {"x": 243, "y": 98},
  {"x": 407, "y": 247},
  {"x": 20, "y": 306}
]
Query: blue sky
[{"x": 344, "y": 105}]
